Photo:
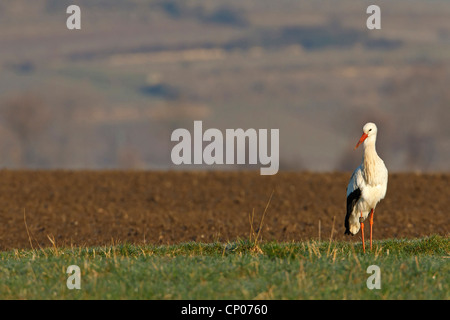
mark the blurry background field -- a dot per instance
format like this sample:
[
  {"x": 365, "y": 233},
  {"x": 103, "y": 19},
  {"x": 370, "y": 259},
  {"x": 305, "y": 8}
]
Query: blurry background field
[{"x": 110, "y": 95}]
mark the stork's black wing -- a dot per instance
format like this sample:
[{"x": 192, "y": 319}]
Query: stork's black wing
[{"x": 351, "y": 202}]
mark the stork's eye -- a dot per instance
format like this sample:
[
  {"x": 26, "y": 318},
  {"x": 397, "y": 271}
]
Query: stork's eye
[{"x": 370, "y": 129}]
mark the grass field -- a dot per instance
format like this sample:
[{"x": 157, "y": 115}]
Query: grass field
[{"x": 409, "y": 269}]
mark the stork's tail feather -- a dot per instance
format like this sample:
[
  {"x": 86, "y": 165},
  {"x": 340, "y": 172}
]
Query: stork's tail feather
[{"x": 347, "y": 231}]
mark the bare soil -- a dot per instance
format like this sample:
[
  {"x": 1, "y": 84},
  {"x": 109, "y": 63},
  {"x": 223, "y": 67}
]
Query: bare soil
[{"x": 93, "y": 208}]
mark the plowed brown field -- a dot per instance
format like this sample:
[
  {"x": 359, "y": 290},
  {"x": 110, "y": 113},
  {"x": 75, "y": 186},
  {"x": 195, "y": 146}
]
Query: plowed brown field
[{"x": 84, "y": 208}]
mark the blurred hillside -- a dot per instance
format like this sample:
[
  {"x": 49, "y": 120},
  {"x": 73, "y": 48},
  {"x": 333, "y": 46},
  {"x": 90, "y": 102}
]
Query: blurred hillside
[{"x": 109, "y": 95}]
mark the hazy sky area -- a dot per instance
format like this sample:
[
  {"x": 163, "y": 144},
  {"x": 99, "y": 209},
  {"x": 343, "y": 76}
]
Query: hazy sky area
[{"x": 110, "y": 95}]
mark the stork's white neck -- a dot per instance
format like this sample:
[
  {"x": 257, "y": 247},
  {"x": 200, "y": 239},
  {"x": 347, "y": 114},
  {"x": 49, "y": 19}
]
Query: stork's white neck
[
  {"x": 370, "y": 159},
  {"x": 369, "y": 144}
]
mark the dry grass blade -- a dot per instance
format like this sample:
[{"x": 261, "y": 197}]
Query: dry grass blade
[
  {"x": 256, "y": 238},
  {"x": 331, "y": 236},
  {"x": 28, "y": 231},
  {"x": 264, "y": 214},
  {"x": 252, "y": 230},
  {"x": 52, "y": 240},
  {"x": 320, "y": 229}
]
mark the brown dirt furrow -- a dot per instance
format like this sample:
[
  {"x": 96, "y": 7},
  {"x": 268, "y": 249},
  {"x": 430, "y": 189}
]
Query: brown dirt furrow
[{"x": 86, "y": 208}]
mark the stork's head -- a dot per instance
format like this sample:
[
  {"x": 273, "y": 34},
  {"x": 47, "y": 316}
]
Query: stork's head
[{"x": 369, "y": 133}]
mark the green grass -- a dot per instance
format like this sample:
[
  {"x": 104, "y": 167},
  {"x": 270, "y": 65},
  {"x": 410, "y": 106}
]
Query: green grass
[{"x": 410, "y": 269}]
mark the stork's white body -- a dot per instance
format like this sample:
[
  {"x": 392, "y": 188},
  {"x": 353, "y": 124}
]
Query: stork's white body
[{"x": 368, "y": 183}]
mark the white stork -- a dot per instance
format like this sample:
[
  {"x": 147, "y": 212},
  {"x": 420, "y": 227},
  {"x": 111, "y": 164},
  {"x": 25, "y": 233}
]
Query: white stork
[{"x": 367, "y": 185}]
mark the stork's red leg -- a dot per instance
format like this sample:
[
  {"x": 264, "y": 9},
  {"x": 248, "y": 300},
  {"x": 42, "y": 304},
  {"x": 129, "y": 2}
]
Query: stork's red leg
[
  {"x": 371, "y": 224},
  {"x": 362, "y": 233}
]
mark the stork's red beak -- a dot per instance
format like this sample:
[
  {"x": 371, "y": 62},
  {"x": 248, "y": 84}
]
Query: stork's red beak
[{"x": 363, "y": 137}]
